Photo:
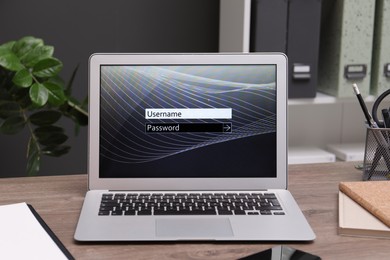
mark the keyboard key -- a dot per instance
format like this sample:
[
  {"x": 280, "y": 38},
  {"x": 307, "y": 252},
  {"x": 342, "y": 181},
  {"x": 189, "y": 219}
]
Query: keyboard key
[
  {"x": 107, "y": 196},
  {"x": 231, "y": 194},
  {"x": 269, "y": 196},
  {"x": 119, "y": 196},
  {"x": 105, "y": 208},
  {"x": 109, "y": 204},
  {"x": 117, "y": 213},
  {"x": 225, "y": 212},
  {"x": 130, "y": 212},
  {"x": 202, "y": 212},
  {"x": 145, "y": 212},
  {"x": 239, "y": 212},
  {"x": 165, "y": 212},
  {"x": 104, "y": 212}
]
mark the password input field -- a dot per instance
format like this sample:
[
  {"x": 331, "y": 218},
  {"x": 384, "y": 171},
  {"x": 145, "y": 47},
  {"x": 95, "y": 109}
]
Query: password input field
[{"x": 188, "y": 127}]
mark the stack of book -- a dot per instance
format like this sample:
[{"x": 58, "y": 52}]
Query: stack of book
[{"x": 364, "y": 209}]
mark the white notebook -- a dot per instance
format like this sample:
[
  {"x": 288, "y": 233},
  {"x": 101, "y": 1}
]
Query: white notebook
[
  {"x": 356, "y": 221},
  {"x": 23, "y": 237}
]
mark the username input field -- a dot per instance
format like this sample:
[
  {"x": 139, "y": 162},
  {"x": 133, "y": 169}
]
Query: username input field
[{"x": 188, "y": 113}]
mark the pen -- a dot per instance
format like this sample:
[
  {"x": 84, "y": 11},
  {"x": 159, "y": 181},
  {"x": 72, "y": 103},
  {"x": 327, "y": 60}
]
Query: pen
[
  {"x": 386, "y": 122},
  {"x": 386, "y": 117},
  {"x": 383, "y": 146},
  {"x": 370, "y": 122}
]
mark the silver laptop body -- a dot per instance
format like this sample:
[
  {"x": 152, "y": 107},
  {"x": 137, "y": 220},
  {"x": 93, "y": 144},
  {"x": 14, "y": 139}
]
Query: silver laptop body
[{"x": 172, "y": 124}]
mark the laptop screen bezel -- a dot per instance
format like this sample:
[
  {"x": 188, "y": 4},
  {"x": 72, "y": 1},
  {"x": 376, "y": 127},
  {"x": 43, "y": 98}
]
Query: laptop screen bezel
[{"x": 97, "y": 183}]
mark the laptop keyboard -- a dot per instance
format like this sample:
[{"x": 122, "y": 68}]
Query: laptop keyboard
[{"x": 133, "y": 204}]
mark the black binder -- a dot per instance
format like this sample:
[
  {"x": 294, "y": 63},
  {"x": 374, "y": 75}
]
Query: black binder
[
  {"x": 268, "y": 26},
  {"x": 51, "y": 233},
  {"x": 303, "y": 40},
  {"x": 291, "y": 27}
]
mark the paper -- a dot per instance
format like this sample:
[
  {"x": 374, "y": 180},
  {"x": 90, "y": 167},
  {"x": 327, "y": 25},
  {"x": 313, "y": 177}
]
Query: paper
[
  {"x": 354, "y": 220},
  {"x": 23, "y": 237}
]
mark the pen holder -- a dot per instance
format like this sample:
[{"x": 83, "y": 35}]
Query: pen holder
[{"x": 377, "y": 154}]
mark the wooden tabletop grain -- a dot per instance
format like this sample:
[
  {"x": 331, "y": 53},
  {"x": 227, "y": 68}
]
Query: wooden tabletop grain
[{"x": 58, "y": 200}]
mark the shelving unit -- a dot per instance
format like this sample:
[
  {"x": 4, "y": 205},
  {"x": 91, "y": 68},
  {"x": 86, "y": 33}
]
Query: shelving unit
[
  {"x": 325, "y": 121},
  {"x": 314, "y": 124}
]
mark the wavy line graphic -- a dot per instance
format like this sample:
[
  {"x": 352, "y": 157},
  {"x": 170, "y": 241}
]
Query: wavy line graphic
[{"x": 127, "y": 91}]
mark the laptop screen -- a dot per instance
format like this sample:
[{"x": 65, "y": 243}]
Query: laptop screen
[{"x": 187, "y": 121}]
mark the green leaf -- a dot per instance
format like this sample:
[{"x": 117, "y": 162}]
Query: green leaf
[
  {"x": 44, "y": 118},
  {"x": 33, "y": 158},
  {"x": 12, "y": 125},
  {"x": 8, "y": 45},
  {"x": 58, "y": 81},
  {"x": 48, "y": 67},
  {"x": 24, "y": 45},
  {"x": 56, "y": 94},
  {"x": 79, "y": 117},
  {"x": 68, "y": 90},
  {"x": 39, "y": 94},
  {"x": 56, "y": 151},
  {"x": 45, "y": 133},
  {"x": 32, "y": 147},
  {"x": 8, "y": 58},
  {"x": 75, "y": 111},
  {"x": 42, "y": 130},
  {"x": 37, "y": 54},
  {"x": 23, "y": 97},
  {"x": 9, "y": 109},
  {"x": 23, "y": 78},
  {"x": 52, "y": 139}
]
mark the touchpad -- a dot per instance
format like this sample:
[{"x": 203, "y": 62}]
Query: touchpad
[{"x": 199, "y": 228}]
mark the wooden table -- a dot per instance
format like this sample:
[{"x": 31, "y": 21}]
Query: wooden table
[{"x": 58, "y": 200}]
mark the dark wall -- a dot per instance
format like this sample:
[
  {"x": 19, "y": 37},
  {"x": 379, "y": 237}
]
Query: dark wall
[{"x": 79, "y": 28}]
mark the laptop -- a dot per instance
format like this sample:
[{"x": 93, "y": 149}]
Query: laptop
[{"x": 189, "y": 147}]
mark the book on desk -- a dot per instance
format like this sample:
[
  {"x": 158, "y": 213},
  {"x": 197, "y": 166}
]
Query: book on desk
[{"x": 364, "y": 209}]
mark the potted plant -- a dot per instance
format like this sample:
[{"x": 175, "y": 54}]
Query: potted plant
[{"x": 33, "y": 96}]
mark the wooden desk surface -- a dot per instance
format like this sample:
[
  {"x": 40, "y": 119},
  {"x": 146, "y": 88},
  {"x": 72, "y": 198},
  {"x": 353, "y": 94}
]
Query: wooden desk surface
[{"x": 58, "y": 200}]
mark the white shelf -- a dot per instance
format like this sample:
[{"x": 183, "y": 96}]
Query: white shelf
[
  {"x": 348, "y": 152},
  {"x": 322, "y": 98},
  {"x": 304, "y": 155},
  {"x": 319, "y": 99}
]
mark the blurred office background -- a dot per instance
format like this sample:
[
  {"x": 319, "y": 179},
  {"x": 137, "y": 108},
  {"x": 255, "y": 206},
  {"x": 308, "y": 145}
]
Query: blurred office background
[
  {"x": 322, "y": 112},
  {"x": 79, "y": 28}
]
